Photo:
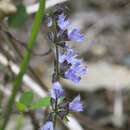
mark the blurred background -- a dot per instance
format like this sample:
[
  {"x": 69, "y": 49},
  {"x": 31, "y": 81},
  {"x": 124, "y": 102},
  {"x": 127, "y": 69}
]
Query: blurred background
[{"x": 105, "y": 89}]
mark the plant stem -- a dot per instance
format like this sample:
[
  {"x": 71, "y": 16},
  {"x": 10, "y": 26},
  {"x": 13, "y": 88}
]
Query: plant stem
[
  {"x": 25, "y": 63},
  {"x": 55, "y": 116},
  {"x": 57, "y": 63},
  {"x": 57, "y": 69},
  {"x": 58, "y": 77},
  {"x": 57, "y": 51}
]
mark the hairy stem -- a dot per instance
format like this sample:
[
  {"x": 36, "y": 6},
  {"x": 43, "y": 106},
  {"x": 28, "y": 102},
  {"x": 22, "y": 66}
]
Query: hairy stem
[{"x": 25, "y": 63}]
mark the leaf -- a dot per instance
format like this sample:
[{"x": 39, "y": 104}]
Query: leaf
[
  {"x": 17, "y": 19},
  {"x": 43, "y": 102},
  {"x": 26, "y": 98},
  {"x": 21, "y": 107}
]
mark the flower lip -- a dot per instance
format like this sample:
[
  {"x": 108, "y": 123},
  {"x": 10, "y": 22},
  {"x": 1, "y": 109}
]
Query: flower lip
[
  {"x": 75, "y": 105},
  {"x": 57, "y": 91},
  {"x": 62, "y": 22},
  {"x": 75, "y": 35},
  {"x": 48, "y": 126}
]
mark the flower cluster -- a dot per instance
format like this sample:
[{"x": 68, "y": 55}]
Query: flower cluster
[
  {"x": 64, "y": 107},
  {"x": 70, "y": 66},
  {"x": 66, "y": 65},
  {"x": 63, "y": 33}
]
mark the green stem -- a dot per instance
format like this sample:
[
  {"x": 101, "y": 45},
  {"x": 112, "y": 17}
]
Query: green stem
[
  {"x": 25, "y": 63},
  {"x": 55, "y": 116}
]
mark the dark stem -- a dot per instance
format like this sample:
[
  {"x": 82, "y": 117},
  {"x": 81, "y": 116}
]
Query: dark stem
[
  {"x": 57, "y": 51},
  {"x": 57, "y": 63},
  {"x": 57, "y": 69}
]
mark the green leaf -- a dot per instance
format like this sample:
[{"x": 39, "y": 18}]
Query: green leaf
[
  {"x": 43, "y": 102},
  {"x": 21, "y": 107},
  {"x": 17, "y": 19},
  {"x": 26, "y": 98}
]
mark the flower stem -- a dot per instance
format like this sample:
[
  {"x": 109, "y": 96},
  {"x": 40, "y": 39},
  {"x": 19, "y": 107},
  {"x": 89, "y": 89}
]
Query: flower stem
[
  {"x": 55, "y": 116},
  {"x": 57, "y": 69},
  {"x": 57, "y": 51},
  {"x": 57, "y": 63},
  {"x": 25, "y": 63}
]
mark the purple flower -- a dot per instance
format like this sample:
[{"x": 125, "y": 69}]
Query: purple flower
[
  {"x": 62, "y": 23},
  {"x": 57, "y": 91},
  {"x": 48, "y": 126},
  {"x": 75, "y": 69},
  {"x": 70, "y": 74},
  {"x": 75, "y": 35},
  {"x": 75, "y": 105}
]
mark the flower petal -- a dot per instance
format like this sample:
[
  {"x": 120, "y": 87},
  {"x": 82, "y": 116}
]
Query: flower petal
[
  {"x": 57, "y": 91},
  {"x": 62, "y": 23},
  {"x": 75, "y": 105},
  {"x": 48, "y": 126},
  {"x": 74, "y": 65},
  {"x": 75, "y": 35}
]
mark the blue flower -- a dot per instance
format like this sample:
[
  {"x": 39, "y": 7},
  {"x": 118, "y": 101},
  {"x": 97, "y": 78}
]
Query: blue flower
[
  {"x": 75, "y": 35},
  {"x": 70, "y": 74},
  {"x": 75, "y": 105},
  {"x": 76, "y": 69},
  {"x": 57, "y": 91},
  {"x": 62, "y": 23},
  {"x": 48, "y": 126}
]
